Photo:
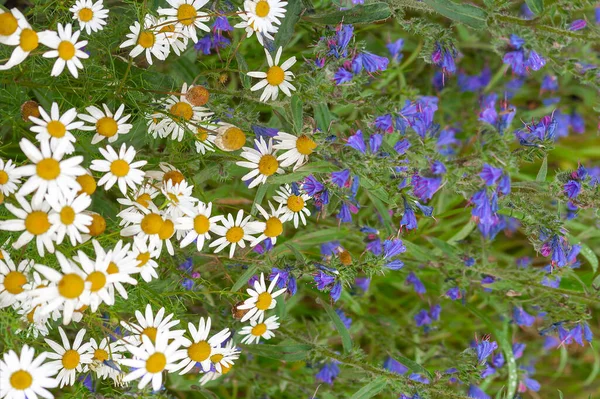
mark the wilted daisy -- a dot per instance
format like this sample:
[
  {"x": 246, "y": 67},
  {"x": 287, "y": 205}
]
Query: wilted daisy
[
  {"x": 273, "y": 223},
  {"x": 187, "y": 14},
  {"x": 68, "y": 217},
  {"x": 24, "y": 375},
  {"x": 13, "y": 278},
  {"x": 229, "y": 137},
  {"x": 259, "y": 329},
  {"x": 182, "y": 115},
  {"x": 151, "y": 359},
  {"x": 235, "y": 232},
  {"x": 34, "y": 221},
  {"x": 49, "y": 172},
  {"x": 105, "y": 123},
  {"x": 147, "y": 39},
  {"x": 179, "y": 196},
  {"x": 277, "y": 77},
  {"x": 8, "y": 177},
  {"x": 119, "y": 168},
  {"x": 297, "y": 149},
  {"x": 91, "y": 16},
  {"x": 261, "y": 299},
  {"x": 24, "y": 38},
  {"x": 262, "y": 162},
  {"x": 9, "y": 24},
  {"x": 106, "y": 356},
  {"x": 294, "y": 204},
  {"x": 263, "y": 15},
  {"x": 197, "y": 224},
  {"x": 67, "y": 50},
  {"x": 200, "y": 348},
  {"x": 69, "y": 359},
  {"x": 145, "y": 258},
  {"x": 56, "y": 128},
  {"x": 150, "y": 326},
  {"x": 121, "y": 265}
]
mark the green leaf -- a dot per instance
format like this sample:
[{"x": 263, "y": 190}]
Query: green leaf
[
  {"x": 260, "y": 194},
  {"x": 536, "y": 6},
  {"x": 361, "y": 14},
  {"x": 418, "y": 252},
  {"x": 339, "y": 325},
  {"x": 286, "y": 29},
  {"x": 446, "y": 248},
  {"x": 371, "y": 389},
  {"x": 465, "y": 13},
  {"x": 244, "y": 278},
  {"x": 596, "y": 369},
  {"x": 596, "y": 283},
  {"x": 297, "y": 254},
  {"x": 322, "y": 116},
  {"x": 205, "y": 393},
  {"x": 462, "y": 233},
  {"x": 297, "y": 113},
  {"x": 288, "y": 353},
  {"x": 541, "y": 176},
  {"x": 414, "y": 366},
  {"x": 589, "y": 255},
  {"x": 560, "y": 394},
  {"x": 243, "y": 68}
]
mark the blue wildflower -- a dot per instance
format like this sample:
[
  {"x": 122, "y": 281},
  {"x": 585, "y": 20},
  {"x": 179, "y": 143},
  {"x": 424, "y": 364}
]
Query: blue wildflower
[
  {"x": 419, "y": 378},
  {"x": 418, "y": 286},
  {"x": 550, "y": 83},
  {"x": 490, "y": 175},
  {"x": 395, "y": 49},
  {"x": 477, "y": 393},
  {"x": 454, "y": 293},
  {"x": 385, "y": 123},
  {"x": 344, "y": 215},
  {"x": 498, "y": 360},
  {"x": 392, "y": 248},
  {"x": 402, "y": 146},
  {"x": 375, "y": 142},
  {"x": 522, "y": 318},
  {"x": 342, "y": 76},
  {"x": 518, "y": 349},
  {"x": 473, "y": 83},
  {"x": 345, "y": 320},
  {"x": 572, "y": 188},
  {"x": 578, "y": 24},
  {"x": 531, "y": 384},
  {"x": 438, "y": 168},
  {"x": 336, "y": 291},
  {"x": 340, "y": 178},
  {"x": 425, "y": 187},
  {"x": 312, "y": 186},
  {"x": 409, "y": 220},
  {"x": 444, "y": 58},
  {"x": 362, "y": 283},
  {"x": 328, "y": 372},
  {"x": 187, "y": 284},
  {"x": 357, "y": 142},
  {"x": 484, "y": 349},
  {"x": 323, "y": 281},
  {"x": 422, "y": 318},
  {"x": 394, "y": 366},
  {"x": 435, "y": 311},
  {"x": 504, "y": 185},
  {"x": 221, "y": 24},
  {"x": 469, "y": 261}
]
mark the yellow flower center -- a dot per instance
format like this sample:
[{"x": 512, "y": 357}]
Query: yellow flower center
[
  {"x": 86, "y": 14},
  {"x": 48, "y": 169},
  {"x": 156, "y": 363},
  {"x": 70, "y": 359},
  {"x": 112, "y": 268},
  {"x": 198, "y": 95},
  {"x": 274, "y": 227},
  {"x": 14, "y": 281},
  {"x": 31, "y": 314},
  {"x": 173, "y": 198},
  {"x": 67, "y": 215},
  {"x": 216, "y": 358},
  {"x": 8, "y": 24},
  {"x": 201, "y": 224},
  {"x": 37, "y": 223},
  {"x": 295, "y": 203},
  {"x": 199, "y": 351},
  {"x": 264, "y": 301},
  {"x": 20, "y": 379},
  {"x": 66, "y": 50},
  {"x": 305, "y": 145},
  {"x": 168, "y": 29},
  {"x": 275, "y": 75},
  {"x": 3, "y": 177},
  {"x": 97, "y": 226},
  {"x": 150, "y": 332},
  {"x": 98, "y": 280},
  {"x": 100, "y": 355},
  {"x": 143, "y": 258},
  {"x": 175, "y": 176},
  {"x": 119, "y": 168},
  {"x": 166, "y": 230},
  {"x": 268, "y": 165},
  {"x": 144, "y": 200},
  {"x": 107, "y": 126},
  {"x": 151, "y": 223},
  {"x": 146, "y": 39},
  {"x": 233, "y": 139},
  {"x": 225, "y": 369},
  {"x": 262, "y": 8},
  {"x": 202, "y": 134},
  {"x": 71, "y": 286},
  {"x": 186, "y": 14},
  {"x": 234, "y": 234},
  {"x": 56, "y": 129},
  {"x": 182, "y": 110},
  {"x": 87, "y": 183},
  {"x": 259, "y": 329},
  {"x": 29, "y": 40}
]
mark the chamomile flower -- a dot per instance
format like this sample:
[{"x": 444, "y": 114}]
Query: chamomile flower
[
  {"x": 182, "y": 115},
  {"x": 263, "y": 162},
  {"x": 26, "y": 376},
  {"x": 145, "y": 258},
  {"x": 147, "y": 39},
  {"x": 259, "y": 329},
  {"x": 37, "y": 323},
  {"x": 105, "y": 123},
  {"x": 197, "y": 224},
  {"x": 179, "y": 196},
  {"x": 251, "y": 29},
  {"x": 68, "y": 289},
  {"x": 119, "y": 168},
  {"x": 69, "y": 218},
  {"x": 8, "y": 177},
  {"x": 204, "y": 139},
  {"x": 276, "y": 78},
  {"x": 34, "y": 221},
  {"x": 261, "y": 299},
  {"x": 121, "y": 265},
  {"x": 174, "y": 34},
  {"x": 294, "y": 204},
  {"x": 106, "y": 356},
  {"x": 151, "y": 326},
  {"x": 97, "y": 274},
  {"x": 222, "y": 358},
  {"x": 55, "y": 127},
  {"x": 156, "y": 123},
  {"x": 24, "y": 38},
  {"x": 145, "y": 223},
  {"x": 167, "y": 172},
  {"x": 166, "y": 232},
  {"x": 297, "y": 149},
  {"x": 91, "y": 16},
  {"x": 235, "y": 232},
  {"x": 187, "y": 14},
  {"x": 273, "y": 224},
  {"x": 70, "y": 360},
  {"x": 142, "y": 197},
  {"x": 200, "y": 348},
  {"x": 50, "y": 173},
  {"x": 13, "y": 279},
  {"x": 10, "y": 21},
  {"x": 67, "y": 50},
  {"x": 151, "y": 358},
  {"x": 262, "y": 15}
]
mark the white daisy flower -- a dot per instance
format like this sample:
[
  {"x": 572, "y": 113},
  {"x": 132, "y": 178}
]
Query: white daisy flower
[
  {"x": 259, "y": 329},
  {"x": 263, "y": 15},
  {"x": 146, "y": 259},
  {"x": 56, "y": 128},
  {"x": 151, "y": 358},
  {"x": 119, "y": 168},
  {"x": 105, "y": 123},
  {"x": 8, "y": 177},
  {"x": 156, "y": 123},
  {"x": 34, "y": 222},
  {"x": 297, "y": 149},
  {"x": 251, "y": 29},
  {"x": 204, "y": 139},
  {"x": 188, "y": 14},
  {"x": 36, "y": 322},
  {"x": 144, "y": 223},
  {"x": 197, "y": 224},
  {"x": 106, "y": 357},
  {"x": 200, "y": 348},
  {"x": 91, "y": 16},
  {"x": 97, "y": 274},
  {"x": 147, "y": 39},
  {"x": 167, "y": 172},
  {"x": 70, "y": 360},
  {"x": 10, "y": 22},
  {"x": 277, "y": 77},
  {"x": 262, "y": 162},
  {"x": 151, "y": 326},
  {"x": 121, "y": 265},
  {"x": 229, "y": 137},
  {"x": 24, "y": 38},
  {"x": 67, "y": 50},
  {"x": 182, "y": 115},
  {"x": 261, "y": 299},
  {"x": 24, "y": 375},
  {"x": 235, "y": 232},
  {"x": 49, "y": 172},
  {"x": 222, "y": 362},
  {"x": 179, "y": 196},
  {"x": 13, "y": 280},
  {"x": 293, "y": 205},
  {"x": 144, "y": 196},
  {"x": 69, "y": 218},
  {"x": 273, "y": 224},
  {"x": 174, "y": 34},
  {"x": 166, "y": 232},
  {"x": 69, "y": 289}
]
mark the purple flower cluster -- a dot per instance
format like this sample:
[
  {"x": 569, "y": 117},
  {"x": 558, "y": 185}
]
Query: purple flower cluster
[{"x": 522, "y": 60}]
